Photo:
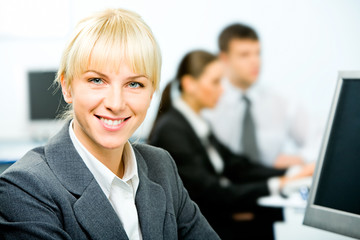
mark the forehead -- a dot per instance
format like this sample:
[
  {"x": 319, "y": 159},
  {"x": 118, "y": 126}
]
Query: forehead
[
  {"x": 237, "y": 44},
  {"x": 119, "y": 68},
  {"x": 109, "y": 57}
]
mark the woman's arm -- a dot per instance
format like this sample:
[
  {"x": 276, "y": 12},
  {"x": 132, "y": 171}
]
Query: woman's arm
[
  {"x": 241, "y": 169},
  {"x": 206, "y": 186},
  {"x": 26, "y": 209}
]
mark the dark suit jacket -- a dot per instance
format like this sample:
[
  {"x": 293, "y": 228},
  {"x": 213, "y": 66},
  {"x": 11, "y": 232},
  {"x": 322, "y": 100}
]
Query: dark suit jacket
[
  {"x": 206, "y": 187},
  {"x": 51, "y": 194}
]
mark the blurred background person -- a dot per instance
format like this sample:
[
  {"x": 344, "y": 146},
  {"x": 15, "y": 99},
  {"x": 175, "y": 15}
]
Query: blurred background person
[
  {"x": 255, "y": 121},
  {"x": 224, "y": 185}
]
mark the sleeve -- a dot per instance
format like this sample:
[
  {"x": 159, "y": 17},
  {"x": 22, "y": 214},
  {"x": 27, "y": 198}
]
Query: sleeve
[
  {"x": 240, "y": 169},
  {"x": 191, "y": 223},
  {"x": 206, "y": 186},
  {"x": 27, "y": 210},
  {"x": 306, "y": 133},
  {"x": 274, "y": 185}
]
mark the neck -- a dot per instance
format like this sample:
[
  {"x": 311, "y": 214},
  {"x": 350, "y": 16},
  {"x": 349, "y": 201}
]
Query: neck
[
  {"x": 191, "y": 103},
  {"x": 243, "y": 85},
  {"x": 111, "y": 158}
]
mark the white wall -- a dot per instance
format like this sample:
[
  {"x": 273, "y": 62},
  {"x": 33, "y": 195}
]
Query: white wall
[{"x": 305, "y": 43}]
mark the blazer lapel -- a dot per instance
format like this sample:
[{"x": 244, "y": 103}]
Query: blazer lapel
[
  {"x": 194, "y": 138},
  {"x": 150, "y": 202},
  {"x": 92, "y": 209},
  {"x": 94, "y": 212}
]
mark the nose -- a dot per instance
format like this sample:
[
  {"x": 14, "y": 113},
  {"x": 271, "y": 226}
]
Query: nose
[{"x": 114, "y": 100}]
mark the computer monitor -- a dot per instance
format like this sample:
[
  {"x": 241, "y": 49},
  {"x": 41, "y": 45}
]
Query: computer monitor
[
  {"x": 334, "y": 199},
  {"x": 45, "y": 104}
]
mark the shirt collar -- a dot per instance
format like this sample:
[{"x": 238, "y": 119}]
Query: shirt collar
[
  {"x": 234, "y": 93},
  {"x": 200, "y": 126},
  {"x": 101, "y": 173}
]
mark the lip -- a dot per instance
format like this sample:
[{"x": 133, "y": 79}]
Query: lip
[
  {"x": 112, "y": 128},
  {"x": 110, "y": 118}
]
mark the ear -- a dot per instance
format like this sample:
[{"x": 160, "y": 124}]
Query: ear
[
  {"x": 65, "y": 90},
  {"x": 188, "y": 84}
]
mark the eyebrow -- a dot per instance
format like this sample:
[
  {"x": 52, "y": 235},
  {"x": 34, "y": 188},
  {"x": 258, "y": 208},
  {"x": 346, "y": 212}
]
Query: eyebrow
[{"x": 105, "y": 76}]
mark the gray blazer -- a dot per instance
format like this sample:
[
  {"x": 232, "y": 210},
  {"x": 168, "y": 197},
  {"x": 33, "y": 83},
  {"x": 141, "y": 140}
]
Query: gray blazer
[{"x": 51, "y": 194}]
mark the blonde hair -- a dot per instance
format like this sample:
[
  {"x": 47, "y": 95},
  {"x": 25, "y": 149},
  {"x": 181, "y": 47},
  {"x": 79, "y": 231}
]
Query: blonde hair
[{"x": 108, "y": 39}]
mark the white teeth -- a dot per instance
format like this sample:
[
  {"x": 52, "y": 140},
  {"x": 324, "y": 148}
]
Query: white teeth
[{"x": 111, "y": 122}]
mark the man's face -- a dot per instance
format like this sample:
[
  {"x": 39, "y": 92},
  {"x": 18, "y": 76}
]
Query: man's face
[{"x": 243, "y": 61}]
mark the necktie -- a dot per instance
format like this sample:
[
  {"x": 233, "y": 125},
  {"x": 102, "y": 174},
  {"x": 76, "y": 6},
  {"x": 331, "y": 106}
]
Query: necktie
[{"x": 248, "y": 139}]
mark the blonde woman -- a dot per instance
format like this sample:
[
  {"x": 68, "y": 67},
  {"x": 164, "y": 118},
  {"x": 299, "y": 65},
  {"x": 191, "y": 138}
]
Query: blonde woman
[{"x": 89, "y": 182}]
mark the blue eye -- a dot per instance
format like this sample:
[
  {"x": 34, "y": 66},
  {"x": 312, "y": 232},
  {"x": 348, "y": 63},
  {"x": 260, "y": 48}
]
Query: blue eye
[
  {"x": 97, "y": 81},
  {"x": 135, "y": 85}
]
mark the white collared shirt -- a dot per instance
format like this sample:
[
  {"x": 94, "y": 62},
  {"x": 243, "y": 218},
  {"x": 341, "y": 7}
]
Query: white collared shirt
[
  {"x": 279, "y": 124},
  {"x": 120, "y": 192}
]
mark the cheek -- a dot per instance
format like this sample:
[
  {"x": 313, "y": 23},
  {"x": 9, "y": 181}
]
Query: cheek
[
  {"x": 139, "y": 103},
  {"x": 85, "y": 100},
  {"x": 210, "y": 95},
  {"x": 241, "y": 65}
]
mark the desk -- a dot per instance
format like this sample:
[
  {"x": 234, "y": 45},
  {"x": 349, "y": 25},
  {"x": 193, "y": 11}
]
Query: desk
[{"x": 292, "y": 227}]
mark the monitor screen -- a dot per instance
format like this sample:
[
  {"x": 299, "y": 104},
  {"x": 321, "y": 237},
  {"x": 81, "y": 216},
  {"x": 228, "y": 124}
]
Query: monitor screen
[
  {"x": 334, "y": 201},
  {"x": 45, "y": 102},
  {"x": 45, "y": 105}
]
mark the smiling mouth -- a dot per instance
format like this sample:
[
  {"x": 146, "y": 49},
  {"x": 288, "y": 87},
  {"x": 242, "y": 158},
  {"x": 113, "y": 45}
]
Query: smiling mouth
[{"x": 112, "y": 122}]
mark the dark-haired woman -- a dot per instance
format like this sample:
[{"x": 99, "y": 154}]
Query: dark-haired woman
[{"x": 224, "y": 185}]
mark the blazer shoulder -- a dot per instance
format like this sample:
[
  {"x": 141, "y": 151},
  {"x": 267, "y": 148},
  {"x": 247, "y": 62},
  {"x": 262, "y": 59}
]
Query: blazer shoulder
[
  {"x": 29, "y": 162},
  {"x": 30, "y": 172},
  {"x": 29, "y": 177},
  {"x": 169, "y": 126},
  {"x": 149, "y": 152},
  {"x": 155, "y": 161},
  {"x": 172, "y": 119}
]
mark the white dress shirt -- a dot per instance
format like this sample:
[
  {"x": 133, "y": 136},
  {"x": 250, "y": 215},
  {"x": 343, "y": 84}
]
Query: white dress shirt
[
  {"x": 120, "y": 192},
  {"x": 202, "y": 130},
  {"x": 281, "y": 126}
]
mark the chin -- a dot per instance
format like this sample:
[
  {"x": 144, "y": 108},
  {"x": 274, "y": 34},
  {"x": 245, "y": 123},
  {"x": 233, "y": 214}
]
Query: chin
[
  {"x": 253, "y": 78},
  {"x": 113, "y": 143},
  {"x": 211, "y": 106}
]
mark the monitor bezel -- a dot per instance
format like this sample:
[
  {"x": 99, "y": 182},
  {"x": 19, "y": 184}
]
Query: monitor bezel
[
  {"x": 40, "y": 130},
  {"x": 321, "y": 217}
]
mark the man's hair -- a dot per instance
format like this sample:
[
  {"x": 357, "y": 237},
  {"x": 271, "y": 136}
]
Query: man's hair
[{"x": 235, "y": 31}]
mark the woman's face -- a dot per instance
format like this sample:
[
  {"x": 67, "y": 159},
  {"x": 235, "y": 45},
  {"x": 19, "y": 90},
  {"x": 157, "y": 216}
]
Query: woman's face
[
  {"x": 108, "y": 106},
  {"x": 209, "y": 88}
]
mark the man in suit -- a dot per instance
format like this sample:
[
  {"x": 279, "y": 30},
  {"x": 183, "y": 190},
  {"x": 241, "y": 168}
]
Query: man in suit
[{"x": 257, "y": 121}]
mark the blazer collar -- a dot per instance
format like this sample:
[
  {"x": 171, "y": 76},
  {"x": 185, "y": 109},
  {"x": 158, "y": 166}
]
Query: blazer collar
[
  {"x": 66, "y": 163},
  {"x": 92, "y": 209},
  {"x": 187, "y": 124},
  {"x": 194, "y": 137},
  {"x": 150, "y": 201}
]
